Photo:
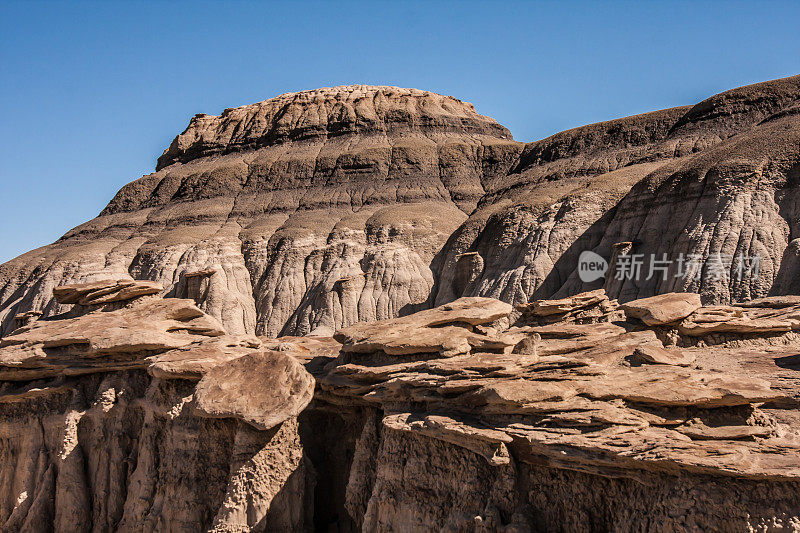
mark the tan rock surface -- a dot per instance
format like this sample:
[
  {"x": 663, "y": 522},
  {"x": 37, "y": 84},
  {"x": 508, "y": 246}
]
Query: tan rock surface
[
  {"x": 663, "y": 309},
  {"x": 194, "y": 360},
  {"x": 566, "y": 305},
  {"x": 343, "y": 209},
  {"x": 262, "y": 388},
  {"x": 445, "y": 330},
  {"x": 653, "y": 355},
  {"x": 103, "y": 340},
  {"x": 104, "y": 291}
]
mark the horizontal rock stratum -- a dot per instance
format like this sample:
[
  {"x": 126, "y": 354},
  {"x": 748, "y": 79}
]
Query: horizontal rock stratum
[
  {"x": 142, "y": 414},
  {"x": 311, "y": 211}
]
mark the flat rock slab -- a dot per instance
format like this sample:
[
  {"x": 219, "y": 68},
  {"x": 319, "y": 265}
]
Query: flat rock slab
[
  {"x": 262, "y": 388},
  {"x": 473, "y": 310},
  {"x": 743, "y": 325},
  {"x": 565, "y": 305},
  {"x": 194, "y": 361},
  {"x": 773, "y": 302},
  {"x": 663, "y": 308},
  {"x": 104, "y": 340},
  {"x": 105, "y": 291},
  {"x": 653, "y": 355},
  {"x": 445, "y": 330}
]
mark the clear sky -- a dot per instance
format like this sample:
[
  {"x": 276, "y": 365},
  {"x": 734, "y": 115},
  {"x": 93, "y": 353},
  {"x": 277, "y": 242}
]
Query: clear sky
[{"x": 92, "y": 93}]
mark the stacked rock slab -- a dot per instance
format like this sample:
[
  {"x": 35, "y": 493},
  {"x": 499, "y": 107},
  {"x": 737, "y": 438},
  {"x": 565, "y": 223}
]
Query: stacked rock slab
[
  {"x": 595, "y": 411},
  {"x": 142, "y": 413},
  {"x": 136, "y": 413}
]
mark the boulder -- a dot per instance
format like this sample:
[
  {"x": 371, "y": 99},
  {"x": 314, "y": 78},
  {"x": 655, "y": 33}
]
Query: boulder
[
  {"x": 262, "y": 388},
  {"x": 663, "y": 308},
  {"x": 105, "y": 291}
]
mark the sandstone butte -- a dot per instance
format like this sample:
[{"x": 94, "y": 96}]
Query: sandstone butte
[{"x": 360, "y": 309}]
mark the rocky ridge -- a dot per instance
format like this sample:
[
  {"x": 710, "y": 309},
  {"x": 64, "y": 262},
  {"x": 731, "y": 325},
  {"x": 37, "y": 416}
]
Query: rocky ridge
[
  {"x": 360, "y": 308},
  {"x": 511, "y": 415},
  {"x": 312, "y": 211}
]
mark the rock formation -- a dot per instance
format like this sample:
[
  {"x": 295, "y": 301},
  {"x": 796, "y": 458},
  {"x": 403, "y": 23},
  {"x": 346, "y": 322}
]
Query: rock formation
[
  {"x": 315, "y": 210},
  {"x": 297, "y": 215},
  {"x": 142, "y": 413},
  {"x": 363, "y": 309}
]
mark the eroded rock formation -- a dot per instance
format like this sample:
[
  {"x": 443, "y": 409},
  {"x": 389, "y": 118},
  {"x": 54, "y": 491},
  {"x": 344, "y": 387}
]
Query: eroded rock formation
[
  {"x": 473, "y": 416},
  {"x": 360, "y": 309},
  {"x": 300, "y": 214},
  {"x": 315, "y": 210}
]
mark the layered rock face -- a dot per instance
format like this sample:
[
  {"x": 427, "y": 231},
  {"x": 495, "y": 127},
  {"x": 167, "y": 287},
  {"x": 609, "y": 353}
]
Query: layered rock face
[
  {"x": 299, "y": 214},
  {"x": 315, "y": 210},
  {"x": 139, "y": 413},
  {"x": 712, "y": 182},
  {"x": 363, "y": 309}
]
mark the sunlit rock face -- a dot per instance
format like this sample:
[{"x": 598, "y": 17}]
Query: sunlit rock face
[
  {"x": 299, "y": 214},
  {"x": 312, "y": 211},
  {"x": 134, "y": 412}
]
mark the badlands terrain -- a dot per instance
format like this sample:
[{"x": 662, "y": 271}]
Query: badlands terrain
[{"x": 362, "y": 309}]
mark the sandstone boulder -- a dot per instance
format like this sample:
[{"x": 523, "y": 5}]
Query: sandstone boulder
[
  {"x": 262, "y": 388},
  {"x": 662, "y": 309},
  {"x": 105, "y": 291}
]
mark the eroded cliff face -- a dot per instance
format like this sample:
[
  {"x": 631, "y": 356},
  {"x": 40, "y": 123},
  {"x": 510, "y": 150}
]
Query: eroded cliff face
[
  {"x": 717, "y": 180},
  {"x": 300, "y": 214},
  {"x": 136, "y": 413},
  {"x": 315, "y": 210}
]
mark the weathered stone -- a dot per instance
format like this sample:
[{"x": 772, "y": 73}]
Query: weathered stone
[
  {"x": 25, "y": 319},
  {"x": 445, "y": 330},
  {"x": 653, "y": 355},
  {"x": 102, "y": 341},
  {"x": 194, "y": 360},
  {"x": 773, "y": 302},
  {"x": 565, "y": 305},
  {"x": 263, "y": 388},
  {"x": 662, "y": 309},
  {"x": 105, "y": 291},
  {"x": 484, "y": 441},
  {"x": 699, "y": 431}
]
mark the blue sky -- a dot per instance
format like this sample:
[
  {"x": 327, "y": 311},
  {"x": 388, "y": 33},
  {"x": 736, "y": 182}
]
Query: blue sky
[{"x": 92, "y": 93}]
